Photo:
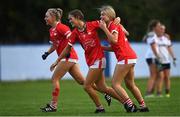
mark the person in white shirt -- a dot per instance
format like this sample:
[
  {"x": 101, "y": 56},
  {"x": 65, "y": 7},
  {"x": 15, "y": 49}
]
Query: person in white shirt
[
  {"x": 152, "y": 54},
  {"x": 165, "y": 52}
]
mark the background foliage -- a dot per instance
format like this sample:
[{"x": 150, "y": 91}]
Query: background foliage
[{"x": 22, "y": 21}]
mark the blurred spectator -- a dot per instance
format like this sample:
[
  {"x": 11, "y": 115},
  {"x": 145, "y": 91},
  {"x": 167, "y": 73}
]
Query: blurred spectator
[
  {"x": 165, "y": 51},
  {"x": 152, "y": 54}
]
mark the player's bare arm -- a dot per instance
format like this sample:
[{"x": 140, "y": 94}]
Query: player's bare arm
[
  {"x": 153, "y": 46},
  {"x": 112, "y": 38}
]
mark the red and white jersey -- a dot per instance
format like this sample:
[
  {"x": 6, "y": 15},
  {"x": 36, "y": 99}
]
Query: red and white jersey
[
  {"x": 89, "y": 40},
  {"x": 59, "y": 38},
  {"x": 122, "y": 48}
]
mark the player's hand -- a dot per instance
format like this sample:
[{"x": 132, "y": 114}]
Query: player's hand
[
  {"x": 44, "y": 56},
  {"x": 53, "y": 66},
  {"x": 159, "y": 64},
  {"x": 102, "y": 24},
  {"x": 158, "y": 59},
  {"x": 117, "y": 21},
  {"x": 174, "y": 62}
]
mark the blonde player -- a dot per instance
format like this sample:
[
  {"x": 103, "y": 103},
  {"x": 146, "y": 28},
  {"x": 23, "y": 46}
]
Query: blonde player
[{"x": 126, "y": 58}]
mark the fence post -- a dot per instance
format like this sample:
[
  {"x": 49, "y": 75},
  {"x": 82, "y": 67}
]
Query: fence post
[{"x": 107, "y": 69}]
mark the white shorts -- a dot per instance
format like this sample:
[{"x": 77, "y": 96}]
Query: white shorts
[
  {"x": 127, "y": 61},
  {"x": 101, "y": 63},
  {"x": 70, "y": 60}
]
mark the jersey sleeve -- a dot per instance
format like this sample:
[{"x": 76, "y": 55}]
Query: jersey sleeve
[
  {"x": 151, "y": 39},
  {"x": 72, "y": 38},
  {"x": 114, "y": 28},
  {"x": 95, "y": 24},
  {"x": 169, "y": 42},
  {"x": 64, "y": 30}
]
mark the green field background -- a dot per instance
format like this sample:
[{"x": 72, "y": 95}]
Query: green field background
[{"x": 25, "y": 99}]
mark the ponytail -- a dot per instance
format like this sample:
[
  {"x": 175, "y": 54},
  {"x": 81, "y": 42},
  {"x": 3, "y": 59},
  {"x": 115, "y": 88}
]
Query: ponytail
[
  {"x": 57, "y": 12},
  {"x": 60, "y": 11}
]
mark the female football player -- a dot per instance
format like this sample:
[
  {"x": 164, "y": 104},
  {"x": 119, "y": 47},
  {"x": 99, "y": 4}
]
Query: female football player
[
  {"x": 86, "y": 34},
  {"x": 126, "y": 60},
  {"x": 59, "y": 34}
]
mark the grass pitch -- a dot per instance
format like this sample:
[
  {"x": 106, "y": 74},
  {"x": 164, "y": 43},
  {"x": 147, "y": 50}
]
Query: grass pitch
[{"x": 25, "y": 99}]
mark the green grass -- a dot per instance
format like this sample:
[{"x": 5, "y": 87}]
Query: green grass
[{"x": 25, "y": 99}]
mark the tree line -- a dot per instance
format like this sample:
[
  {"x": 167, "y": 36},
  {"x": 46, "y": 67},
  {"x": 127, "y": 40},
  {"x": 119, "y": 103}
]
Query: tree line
[{"x": 22, "y": 21}]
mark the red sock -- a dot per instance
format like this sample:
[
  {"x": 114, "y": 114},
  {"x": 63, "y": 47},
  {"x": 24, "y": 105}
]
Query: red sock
[
  {"x": 55, "y": 92},
  {"x": 55, "y": 95}
]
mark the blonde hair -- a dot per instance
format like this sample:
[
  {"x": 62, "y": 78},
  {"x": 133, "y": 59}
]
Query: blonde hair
[
  {"x": 109, "y": 11},
  {"x": 57, "y": 12}
]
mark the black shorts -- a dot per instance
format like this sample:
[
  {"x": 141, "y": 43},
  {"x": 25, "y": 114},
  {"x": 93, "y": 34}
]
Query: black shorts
[
  {"x": 160, "y": 66},
  {"x": 166, "y": 66},
  {"x": 152, "y": 61}
]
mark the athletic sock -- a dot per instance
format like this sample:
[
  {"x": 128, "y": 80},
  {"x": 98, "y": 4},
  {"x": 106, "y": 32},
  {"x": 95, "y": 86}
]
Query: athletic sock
[
  {"x": 53, "y": 104},
  {"x": 128, "y": 102},
  {"x": 55, "y": 95},
  {"x": 100, "y": 107},
  {"x": 142, "y": 104}
]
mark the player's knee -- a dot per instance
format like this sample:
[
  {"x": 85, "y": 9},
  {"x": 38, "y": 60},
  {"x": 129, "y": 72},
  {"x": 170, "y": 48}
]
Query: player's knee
[
  {"x": 130, "y": 85},
  {"x": 115, "y": 85}
]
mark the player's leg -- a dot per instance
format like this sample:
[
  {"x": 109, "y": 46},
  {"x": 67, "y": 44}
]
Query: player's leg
[
  {"x": 92, "y": 76},
  {"x": 119, "y": 74},
  {"x": 101, "y": 64},
  {"x": 102, "y": 86},
  {"x": 130, "y": 84},
  {"x": 76, "y": 74},
  {"x": 60, "y": 70},
  {"x": 151, "y": 81},
  {"x": 160, "y": 83},
  {"x": 167, "y": 82}
]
